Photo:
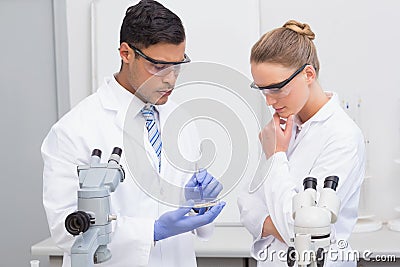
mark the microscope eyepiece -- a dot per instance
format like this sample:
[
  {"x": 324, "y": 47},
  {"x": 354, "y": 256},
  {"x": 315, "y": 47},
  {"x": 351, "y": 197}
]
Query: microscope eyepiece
[
  {"x": 77, "y": 222},
  {"x": 310, "y": 182},
  {"x": 117, "y": 151},
  {"x": 331, "y": 182},
  {"x": 96, "y": 152},
  {"x": 115, "y": 155},
  {"x": 96, "y": 156}
]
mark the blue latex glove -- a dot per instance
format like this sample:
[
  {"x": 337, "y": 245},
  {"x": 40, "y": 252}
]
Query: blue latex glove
[
  {"x": 175, "y": 222},
  {"x": 210, "y": 187}
]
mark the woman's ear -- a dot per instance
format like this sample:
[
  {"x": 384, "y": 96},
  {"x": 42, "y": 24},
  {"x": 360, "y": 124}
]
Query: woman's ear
[
  {"x": 310, "y": 74},
  {"x": 126, "y": 53}
]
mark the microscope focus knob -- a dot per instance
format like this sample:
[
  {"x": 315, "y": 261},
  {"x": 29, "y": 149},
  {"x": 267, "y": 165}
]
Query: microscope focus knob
[
  {"x": 320, "y": 257},
  {"x": 112, "y": 217},
  {"x": 78, "y": 222},
  {"x": 291, "y": 256}
]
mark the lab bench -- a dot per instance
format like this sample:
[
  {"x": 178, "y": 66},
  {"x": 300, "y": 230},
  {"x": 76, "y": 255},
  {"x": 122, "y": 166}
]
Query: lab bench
[{"x": 229, "y": 246}]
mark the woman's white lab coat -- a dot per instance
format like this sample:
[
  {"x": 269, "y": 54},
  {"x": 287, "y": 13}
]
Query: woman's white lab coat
[
  {"x": 97, "y": 122},
  {"x": 329, "y": 143}
]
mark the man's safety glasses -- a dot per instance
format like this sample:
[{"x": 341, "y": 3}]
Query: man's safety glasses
[
  {"x": 277, "y": 90},
  {"x": 159, "y": 67}
]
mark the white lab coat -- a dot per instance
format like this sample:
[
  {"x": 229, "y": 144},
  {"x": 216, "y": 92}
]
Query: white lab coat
[
  {"x": 329, "y": 143},
  {"x": 97, "y": 122}
]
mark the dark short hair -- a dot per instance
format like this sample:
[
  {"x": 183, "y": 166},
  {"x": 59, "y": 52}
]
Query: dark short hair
[{"x": 148, "y": 23}]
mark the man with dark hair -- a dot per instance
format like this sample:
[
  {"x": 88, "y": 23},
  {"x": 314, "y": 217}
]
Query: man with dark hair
[
  {"x": 153, "y": 37},
  {"x": 147, "y": 232}
]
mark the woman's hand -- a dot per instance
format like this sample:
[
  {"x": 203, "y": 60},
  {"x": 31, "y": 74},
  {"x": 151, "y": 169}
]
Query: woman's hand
[
  {"x": 270, "y": 229},
  {"x": 274, "y": 138}
]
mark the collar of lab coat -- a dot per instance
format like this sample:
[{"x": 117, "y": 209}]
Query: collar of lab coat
[
  {"x": 115, "y": 97},
  {"x": 122, "y": 97},
  {"x": 323, "y": 114}
]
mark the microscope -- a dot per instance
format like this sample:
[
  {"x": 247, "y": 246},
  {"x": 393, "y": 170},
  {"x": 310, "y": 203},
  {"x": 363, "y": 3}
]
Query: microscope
[
  {"x": 91, "y": 223},
  {"x": 312, "y": 222}
]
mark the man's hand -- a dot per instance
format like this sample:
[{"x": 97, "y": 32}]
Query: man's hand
[
  {"x": 176, "y": 222},
  {"x": 210, "y": 187}
]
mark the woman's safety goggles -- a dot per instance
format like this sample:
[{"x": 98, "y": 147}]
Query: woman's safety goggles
[
  {"x": 278, "y": 90},
  {"x": 159, "y": 67}
]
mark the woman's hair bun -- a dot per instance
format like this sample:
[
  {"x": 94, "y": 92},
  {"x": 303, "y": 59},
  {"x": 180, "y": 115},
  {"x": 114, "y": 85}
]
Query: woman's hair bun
[{"x": 301, "y": 28}]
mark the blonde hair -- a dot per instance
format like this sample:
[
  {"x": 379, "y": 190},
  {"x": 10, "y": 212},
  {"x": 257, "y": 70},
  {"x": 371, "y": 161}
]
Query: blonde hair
[{"x": 290, "y": 45}]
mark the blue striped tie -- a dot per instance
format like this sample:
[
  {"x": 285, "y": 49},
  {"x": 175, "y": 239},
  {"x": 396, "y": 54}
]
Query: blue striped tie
[{"x": 154, "y": 133}]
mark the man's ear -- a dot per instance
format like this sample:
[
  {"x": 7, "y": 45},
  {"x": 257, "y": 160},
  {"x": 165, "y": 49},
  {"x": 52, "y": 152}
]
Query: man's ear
[{"x": 126, "y": 53}]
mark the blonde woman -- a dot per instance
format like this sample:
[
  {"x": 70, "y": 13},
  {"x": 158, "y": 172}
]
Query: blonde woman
[{"x": 309, "y": 135}]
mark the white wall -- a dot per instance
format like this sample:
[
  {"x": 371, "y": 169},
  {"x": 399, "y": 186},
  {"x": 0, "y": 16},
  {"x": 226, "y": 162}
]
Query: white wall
[
  {"x": 28, "y": 104},
  {"x": 79, "y": 49},
  {"x": 358, "y": 47}
]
